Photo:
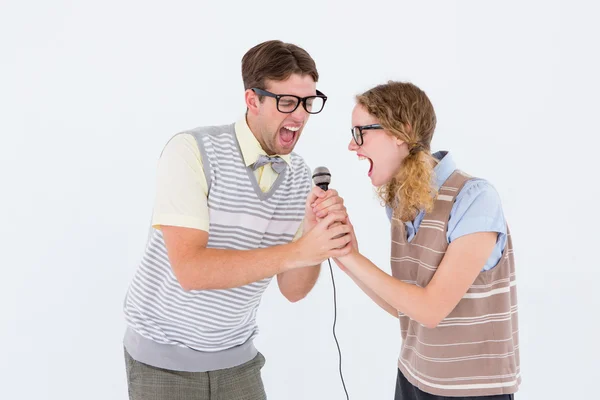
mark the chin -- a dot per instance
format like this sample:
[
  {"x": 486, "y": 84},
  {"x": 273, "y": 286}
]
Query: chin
[
  {"x": 284, "y": 150},
  {"x": 375, "y": 182},
  {"x": 379, "y": 181}
]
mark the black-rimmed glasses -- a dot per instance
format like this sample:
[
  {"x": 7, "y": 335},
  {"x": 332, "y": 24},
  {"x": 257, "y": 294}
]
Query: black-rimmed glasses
[
  {"x": 357, "y": 132},
  {"x": 288, "y": 103}
]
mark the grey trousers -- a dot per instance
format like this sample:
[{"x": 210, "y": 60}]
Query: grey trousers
[{"x": 240, "y": 383}]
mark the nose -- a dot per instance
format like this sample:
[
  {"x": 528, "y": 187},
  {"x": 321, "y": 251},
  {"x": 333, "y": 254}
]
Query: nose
[
  {"x": 352, "y": 146},
  {"x": 299, "y": 115}
]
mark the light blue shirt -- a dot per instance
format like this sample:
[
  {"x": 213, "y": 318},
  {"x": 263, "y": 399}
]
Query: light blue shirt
[{"x": 477, "y": 209}]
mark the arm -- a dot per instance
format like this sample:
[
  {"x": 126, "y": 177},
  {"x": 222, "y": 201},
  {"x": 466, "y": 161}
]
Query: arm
[
  {"x": 197, "y": 267},
  {"x": 378, "y": 300},
  {"x": 181, "y": 212},
  {"x": 430, "y": 305},
  {"x": 296, "y": 284}
]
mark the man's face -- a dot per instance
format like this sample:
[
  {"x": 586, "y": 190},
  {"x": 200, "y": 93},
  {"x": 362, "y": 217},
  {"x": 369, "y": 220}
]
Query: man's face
[{"x": 278, "y": 132}]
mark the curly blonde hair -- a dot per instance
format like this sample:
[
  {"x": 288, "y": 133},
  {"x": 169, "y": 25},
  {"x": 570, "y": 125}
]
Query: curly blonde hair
[{"x": 405, "y": 111}]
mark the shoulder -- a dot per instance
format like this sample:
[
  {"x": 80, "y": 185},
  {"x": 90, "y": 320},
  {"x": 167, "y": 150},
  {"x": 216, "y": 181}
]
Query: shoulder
[
  {"x": 299, "y": 165},
  {"x": 182, "y": 144},
  {"x": 203, "y": 133},
  {"x": 187, "y": 143},
  {"x": 479, "y": 190},
  {"x": 478, "y": 207}
]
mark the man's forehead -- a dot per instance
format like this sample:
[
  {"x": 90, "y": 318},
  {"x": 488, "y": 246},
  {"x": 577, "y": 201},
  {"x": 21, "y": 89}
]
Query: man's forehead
[{"x": 295, "y": 84}]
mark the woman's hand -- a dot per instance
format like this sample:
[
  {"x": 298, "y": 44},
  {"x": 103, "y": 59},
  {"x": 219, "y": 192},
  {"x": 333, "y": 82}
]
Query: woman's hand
[
  {"x": 353, "y": 245},
  {"x": 328, "y": 238}
]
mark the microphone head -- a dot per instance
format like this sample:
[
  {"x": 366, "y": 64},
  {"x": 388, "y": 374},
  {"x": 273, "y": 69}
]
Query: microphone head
[{"x": 322, "y": 177}]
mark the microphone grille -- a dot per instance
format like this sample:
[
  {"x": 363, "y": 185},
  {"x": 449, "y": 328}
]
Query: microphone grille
[{"x": 321, "y": 175}]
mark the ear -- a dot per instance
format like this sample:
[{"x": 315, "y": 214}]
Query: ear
[
  {"x": 402, "y": 146},
  {"x": 252, "y": 101}
]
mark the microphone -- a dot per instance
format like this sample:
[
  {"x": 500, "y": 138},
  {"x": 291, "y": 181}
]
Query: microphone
[{"x": 322, "y": 178}]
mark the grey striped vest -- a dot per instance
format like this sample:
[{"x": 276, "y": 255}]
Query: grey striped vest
[
  {"x": 203, "y": 330},
  {"x": 474, "y": 351}
]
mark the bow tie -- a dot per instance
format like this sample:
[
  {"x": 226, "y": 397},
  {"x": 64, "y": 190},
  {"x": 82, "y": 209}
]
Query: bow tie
[{"x": 277, "y": 163}]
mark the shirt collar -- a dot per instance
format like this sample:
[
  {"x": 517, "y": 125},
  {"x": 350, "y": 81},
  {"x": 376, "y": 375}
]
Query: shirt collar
[
  {"x": 249, "y": 146},
  {"x": 444, "y": 168}
]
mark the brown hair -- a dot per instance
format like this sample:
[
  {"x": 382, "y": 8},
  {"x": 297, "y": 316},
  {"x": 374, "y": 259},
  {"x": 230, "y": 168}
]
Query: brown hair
[
  {"x": 405, "y": 111},
  {"x": 277, "y": 61}
]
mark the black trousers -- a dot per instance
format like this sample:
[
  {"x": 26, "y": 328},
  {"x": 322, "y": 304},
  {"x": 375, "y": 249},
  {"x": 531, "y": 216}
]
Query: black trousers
[{"x": 407, "y": 391}]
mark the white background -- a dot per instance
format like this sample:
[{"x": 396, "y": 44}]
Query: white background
[{"x": 90, "y": 92}]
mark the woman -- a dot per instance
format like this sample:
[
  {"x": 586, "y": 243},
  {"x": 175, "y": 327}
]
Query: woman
[{"x": 453, "y": 278}]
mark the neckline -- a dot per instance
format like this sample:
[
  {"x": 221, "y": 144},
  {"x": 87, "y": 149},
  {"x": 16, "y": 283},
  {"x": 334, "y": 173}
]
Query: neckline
[
  {"x": 261, "y": 195},
  {"x": 426, "y": 214}
]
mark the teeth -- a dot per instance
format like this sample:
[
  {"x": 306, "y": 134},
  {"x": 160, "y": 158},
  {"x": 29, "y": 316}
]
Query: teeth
[
  {"x": 362, "y": 158},
  {"x": 292, "y": 128}
]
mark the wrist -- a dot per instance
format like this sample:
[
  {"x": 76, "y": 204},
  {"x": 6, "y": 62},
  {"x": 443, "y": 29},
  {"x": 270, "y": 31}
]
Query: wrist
[
  {"x": 349, "y": 260},
  {"x": 291, "y": 256},
  {"x": 308, "y": 225}
]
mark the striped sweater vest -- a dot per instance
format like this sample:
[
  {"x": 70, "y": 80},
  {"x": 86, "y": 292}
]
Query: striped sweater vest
[
  {"x": 203, "y": 330},
  {"x": 474, "y": 351}
]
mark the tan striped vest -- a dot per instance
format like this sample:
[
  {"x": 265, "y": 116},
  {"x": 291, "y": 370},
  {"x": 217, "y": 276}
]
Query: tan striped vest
[{"x": 474, "y": 351}]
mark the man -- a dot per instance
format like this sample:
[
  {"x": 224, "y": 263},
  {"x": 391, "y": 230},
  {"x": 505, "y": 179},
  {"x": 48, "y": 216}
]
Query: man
[{"x": 233, "y": 209}]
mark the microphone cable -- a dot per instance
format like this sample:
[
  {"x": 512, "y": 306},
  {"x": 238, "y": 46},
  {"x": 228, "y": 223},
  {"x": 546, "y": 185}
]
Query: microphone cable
[{"x": 334, "y": 321}]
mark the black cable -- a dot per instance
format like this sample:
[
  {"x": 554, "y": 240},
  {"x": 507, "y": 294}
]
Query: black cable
[{"x": 334, "y": 320}]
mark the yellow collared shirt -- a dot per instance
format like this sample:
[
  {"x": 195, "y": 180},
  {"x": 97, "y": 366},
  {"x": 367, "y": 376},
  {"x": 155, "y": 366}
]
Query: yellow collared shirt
[{"x": 181, "y": 188}]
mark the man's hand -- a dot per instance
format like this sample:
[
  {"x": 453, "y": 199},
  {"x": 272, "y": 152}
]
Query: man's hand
[
  {"x": 319, "y": 204},
  {"x": 323, "y": 222},
  {"x": 322, "y": 242}
]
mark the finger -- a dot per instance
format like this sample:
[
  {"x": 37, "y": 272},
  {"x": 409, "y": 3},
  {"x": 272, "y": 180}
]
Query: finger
[
  {"x": 335, "y": 207},
  {"x": 340, "y": 242},
  {"x": 340, "y": 252},
  {"x": 315, "y": 194},
  {"x": 331, "y": 193},
  {"x": 328, "y": 195},
  {"x": 333, "y": 217},
  {"x": 328, "y": 220},
  {"x": 340, "y": 230},
  {"x": 349, "y": 222},
  {"x": 323, "y": 203}
]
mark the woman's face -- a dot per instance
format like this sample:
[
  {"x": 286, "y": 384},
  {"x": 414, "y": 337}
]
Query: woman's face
[{"x": 384, "y": 151}]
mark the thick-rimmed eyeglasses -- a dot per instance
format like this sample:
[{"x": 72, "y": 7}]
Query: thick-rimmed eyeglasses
[
  {"x": 287, "y": 103},
  {"x": 357, "y": 132}
]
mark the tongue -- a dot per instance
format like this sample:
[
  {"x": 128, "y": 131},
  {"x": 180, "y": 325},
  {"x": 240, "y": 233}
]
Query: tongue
[{"x": 286, "y": 135}]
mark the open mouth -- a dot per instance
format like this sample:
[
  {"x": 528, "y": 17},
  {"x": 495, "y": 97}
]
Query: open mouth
[
  {"x": 287, "y": 135},
  {"x": 361, "y": 157}
]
